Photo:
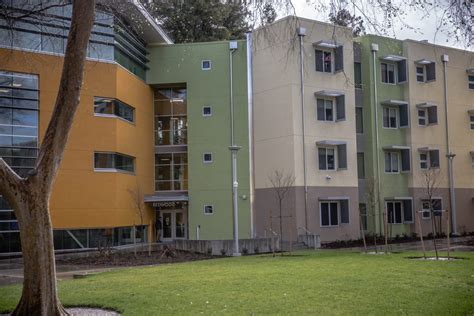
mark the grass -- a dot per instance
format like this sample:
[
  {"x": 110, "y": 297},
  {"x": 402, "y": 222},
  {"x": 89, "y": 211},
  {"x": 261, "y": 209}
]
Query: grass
[{"x": 328, "y": 282}]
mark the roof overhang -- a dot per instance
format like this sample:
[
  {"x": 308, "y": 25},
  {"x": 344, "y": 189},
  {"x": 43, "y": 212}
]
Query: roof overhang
[
  {"x": 333, "y": 198},
  {"x": 326, "y": 44},
  {"x": 328, "y": 93},
  {"x": 425, "y": 105},
  {"x": 394, "y": 58},
  {"x": 423, "y": 61},
  {"x": 330, "y": 143},
  {"x": 149, "y": 29},
  {"x": 425, "y": 149},
  {"x": 178, "y": 197},
  {"x": 395, "y": 147},
  {"x": 394, "y": 102}
]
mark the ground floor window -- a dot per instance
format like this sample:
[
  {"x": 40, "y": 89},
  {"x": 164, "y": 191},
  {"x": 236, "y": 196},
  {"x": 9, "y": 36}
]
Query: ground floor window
[
  {"x": 394, "y": 212},
  {"x": 428, "y": 206},
  {"x": 329, "y": 213},
  {"x": 363, "y": 215}
]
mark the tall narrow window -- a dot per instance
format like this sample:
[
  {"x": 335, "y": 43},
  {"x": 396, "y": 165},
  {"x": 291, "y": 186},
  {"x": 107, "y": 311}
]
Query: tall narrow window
[
  {"x": 394, "y": 212},
  {"x": 388, "y": 73},
  {"x": 420, "y": 74},
  {"x": 422, "y": 117},
  {"x": 324, "y": 61},
  {"x": 471, "y": 121},
  {"x": 171, "y": 125},
  {"x": 171, "y": 172},
  {"x": 471, "y": 82},
  {"x": 360, "y": 166},
  {"x": 357, "y": 75},
  {"x": 325, "y": 110},
  {"x": 359, "y": 112},
  {"x": 390, "y": 117},
  {"x": 392, "y": 164}
]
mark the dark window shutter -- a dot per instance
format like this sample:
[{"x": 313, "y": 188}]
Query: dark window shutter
[
  {"x": 339, "y": 58},
  {"x": 320, "y": 109},
  {"x": 434, "y": 158},
  {"x": 402, "y": 71},
  {"x": 407, "y": 211},
  {"x": 344, "y": 211},
  {"x": 404, "y": 115},
  {"x": 405, "y": 153},
  {"x": 433, "y": 115},
  {"x": 342, "y": 156},
  {"x": 340, "y": 108},
  {"x": 325, "y": 214},
  {"x": 431, "y": 72},
  {"x": 319, "y": 60},
  {"x": 322, "y": 158}
]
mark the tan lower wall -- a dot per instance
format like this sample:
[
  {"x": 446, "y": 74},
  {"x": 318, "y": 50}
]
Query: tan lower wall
[{"x": 293, "y": 213}]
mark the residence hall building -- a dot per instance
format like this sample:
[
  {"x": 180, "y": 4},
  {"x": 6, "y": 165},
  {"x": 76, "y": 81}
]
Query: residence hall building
[
  {"x": 407, "y": 124},
  {"x": 159, "y": 146}
]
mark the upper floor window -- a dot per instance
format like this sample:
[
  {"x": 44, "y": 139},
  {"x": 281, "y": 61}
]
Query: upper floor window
[
  {"x": 207, "y": 110},
  {"x": 427, "y": 114},
  {"x": 471, "y": 82},
  {"x": 388, "y": 73},
  {"x": 393, "y": 69},
  {"x": 171, "y": 172},
  {"x": 392, "y": 162},
  {"x": 327, "y": 159},
  {"x": 390, "y": 117},
  {"x": 358, "y": 75},
  {"x": 325, "y": 110},
  {"x": 206, "y": 65},
  {"x": 171, "y": 125},
  {"x": 471, "y": 121},
  {"x": 429, "y": 158},
  {"x": 360, "y": 166},
  {"x": 208, "y": 209},
  {"x": 114, "y": 108},
  {"x": 328, "y": 150},
  {"x": 109, "y": 161},
  {"x": 425, "y": 70},
  {"x": 359, "y": 117},
  {"x": 330, "y": 105},
  {"x": 207, "y": 157},
  {"x": 328, "y": 56}
]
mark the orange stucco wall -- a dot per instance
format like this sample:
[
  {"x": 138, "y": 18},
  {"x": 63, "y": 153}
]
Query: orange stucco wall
[{"x": 83, "y": 198}]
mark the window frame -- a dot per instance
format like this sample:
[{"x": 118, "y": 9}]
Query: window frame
[
  {"x": 471, "y": 122},
  {"x": 428, "y": 210},
  {"x": 116, "y": 102},
  {"x": 359, "y": 118},
  {"x": 114, "y": 168},
  {"x": 402, "y": 219},
  {"x": 210, "y": 111},
  {"x": 423, "y": 74},
  {"x": 206, "y": 61},
  {"x": 397, "y": 117},
  {"x": 338, "y": 213},
  {"x": 326, "y": 158},
  {"x": 470, "y": 81},
  {"x": 396, "y": 154},
  {"x": 204, "y": 157},
  {"x": 212, "y": 209},
  {"x": 395, "y": 72},
  {"x": 333, "y": 110},
  {"x": 425, "y": 161},
  {"x": 424, "y": 117},
  {"x": 332, "y": 56}
]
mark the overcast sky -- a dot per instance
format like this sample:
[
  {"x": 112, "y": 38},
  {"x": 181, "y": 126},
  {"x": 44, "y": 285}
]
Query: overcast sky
[{"x": 424, "y": 26}]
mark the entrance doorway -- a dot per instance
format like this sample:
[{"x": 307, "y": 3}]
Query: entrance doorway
[{"x": 174, "y": 225}]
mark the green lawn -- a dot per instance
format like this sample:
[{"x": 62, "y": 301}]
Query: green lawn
[{"x": 333, "y": 282}]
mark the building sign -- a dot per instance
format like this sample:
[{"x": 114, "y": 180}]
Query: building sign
[{"x": 169, "y": 204}]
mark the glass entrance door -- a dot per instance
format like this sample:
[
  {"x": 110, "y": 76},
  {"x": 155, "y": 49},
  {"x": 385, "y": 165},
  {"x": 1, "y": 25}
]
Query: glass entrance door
[{"x": 174, "y": 225}]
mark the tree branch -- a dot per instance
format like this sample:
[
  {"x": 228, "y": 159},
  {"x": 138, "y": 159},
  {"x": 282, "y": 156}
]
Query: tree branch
[
  {"x": 10, "y": 181},
  {"x": 67, "y": 101}
]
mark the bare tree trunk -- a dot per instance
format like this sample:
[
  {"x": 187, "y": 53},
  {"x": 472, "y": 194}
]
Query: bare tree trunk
[
  {"x": 385, "y": 217},
  {"x": 448, "y": 229},
  {"x": 434, "y": 234},
  {"x": 375, "y": 242},
  {"x": 39, "y": 296},
  {"x": 363, "y": 234}
]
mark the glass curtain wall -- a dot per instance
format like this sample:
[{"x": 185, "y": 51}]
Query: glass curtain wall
[{"x": 19, "y": 108}]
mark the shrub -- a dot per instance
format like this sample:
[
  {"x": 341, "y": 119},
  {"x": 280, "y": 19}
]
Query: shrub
[
  {"x": 209, "y": 251},
  {"x": 256, "y": 250},
  {"x": 245, "y": 251},
  {"x": 223, "y": 251}
]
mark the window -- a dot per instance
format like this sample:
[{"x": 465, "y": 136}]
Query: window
[
  {"x": 422, "y": 117},
  {"x": 327, "y": 159},
  {"x": 325, "y": 110},
  {"x": 428, "y": 207},
  {"x": 357, "y": 75},
  {"x": 360, "y": 166},
  {"x": 329, "y": 213},
  {"x": 429, "y": 159},
  {"x": 324, "y": 60},
  {"x": 471, "y": 82},
  {"x": 207, "y": 111},
  {"x": 207, "y": 157},
  {"x": 171, "y": 124},
  {"x": 359, "y": 116},
  {"x": 394, "y": 212},
  {"x": 171, "y": 172},
  {"x": 471, "y": 121},
  {"x": 206, "y": 65},
  {"x": 208, "y": 209},
  {"x": 363, "y": 215},
  {"x": 472, "y": 160},
  {"x": 420, "y": 74},
  {"x": 112, "y": 107},
  {"x": 392, "y": 164},
  {"x": 388, "y": 73},
  {"x": 113, "y": 162},
  {"x": 390, "y": 117}
]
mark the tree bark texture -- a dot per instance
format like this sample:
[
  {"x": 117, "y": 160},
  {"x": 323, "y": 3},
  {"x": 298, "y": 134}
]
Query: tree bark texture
[{"x": 29, "y": 197}]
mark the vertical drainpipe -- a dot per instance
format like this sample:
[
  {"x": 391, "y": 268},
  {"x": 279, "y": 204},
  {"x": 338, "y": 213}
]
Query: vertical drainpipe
[
  {"x": 248, "y": 37},
  {"x": 233, "y": 149},
  {"x": 301, "y": 31},
  {"x": 374, "y": 49},
  {"x": 449, "y": 154}
]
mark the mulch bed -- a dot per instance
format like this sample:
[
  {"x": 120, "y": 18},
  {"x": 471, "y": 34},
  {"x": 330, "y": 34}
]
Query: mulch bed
[{"x": 128, "y": 259}]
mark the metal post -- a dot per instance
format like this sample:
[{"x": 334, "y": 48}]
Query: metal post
[
  {"x": 301, "y": 33},
  {"x": 233, "y": 148},
  {"x": 449, "y": 154},
  {"x": 375, "y": 48},
  {"x": 250, "y": 129}
]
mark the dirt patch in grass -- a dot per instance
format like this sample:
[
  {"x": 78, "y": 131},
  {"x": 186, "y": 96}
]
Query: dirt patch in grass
[{"x": 128, "y": 259}]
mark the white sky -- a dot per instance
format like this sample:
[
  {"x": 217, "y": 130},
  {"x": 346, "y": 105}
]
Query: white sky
[{"x": 425, "y": 26}]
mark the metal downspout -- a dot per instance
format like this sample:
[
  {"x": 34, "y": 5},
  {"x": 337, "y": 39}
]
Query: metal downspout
[
  {"x": 449, "y": 154},
  {"x": 250, "y": 127}
]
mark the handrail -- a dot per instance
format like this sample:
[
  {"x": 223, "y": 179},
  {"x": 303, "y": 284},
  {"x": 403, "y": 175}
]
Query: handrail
[{"x": 307, "y": 231}]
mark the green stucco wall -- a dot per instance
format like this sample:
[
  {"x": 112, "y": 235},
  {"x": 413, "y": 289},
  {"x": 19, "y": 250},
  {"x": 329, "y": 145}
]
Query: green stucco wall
[
  {"x": 392, "y": 185},
  {"x": 210, "y": 184}
]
